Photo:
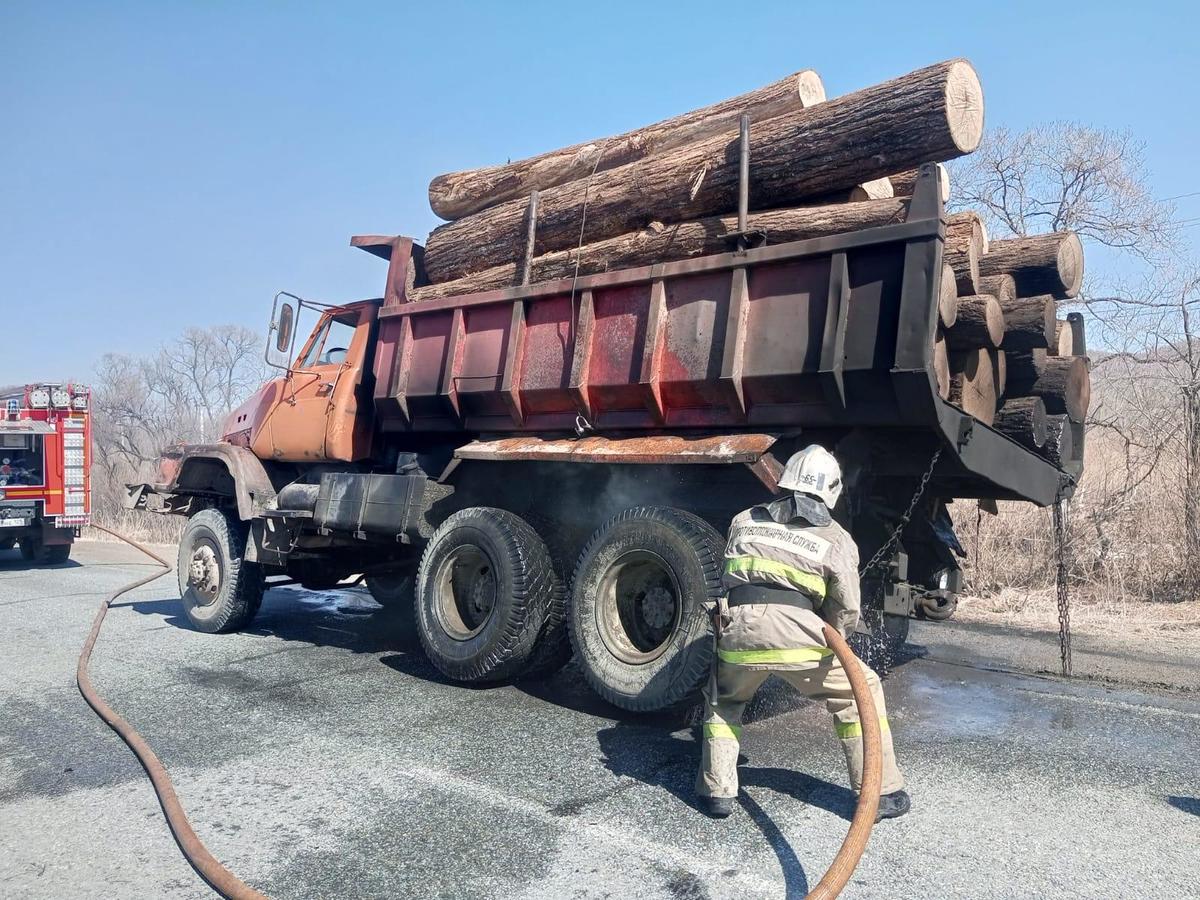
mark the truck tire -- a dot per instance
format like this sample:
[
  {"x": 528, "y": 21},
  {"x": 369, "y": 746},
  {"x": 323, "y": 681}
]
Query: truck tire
[
  {"x": 638, "y": 614},
  {"x": 221, "y": 592},
  {"x": 485, "y": 589},
  {"x": 29, "y": 548},
  {"x": 396, "y": 592},
  {"x": 56, "y": 554}
]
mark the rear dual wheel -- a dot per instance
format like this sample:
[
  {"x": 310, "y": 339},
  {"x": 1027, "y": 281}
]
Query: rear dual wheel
[
  {"x": 639, "y": 607},
  {"x": 489, "y": 603}
]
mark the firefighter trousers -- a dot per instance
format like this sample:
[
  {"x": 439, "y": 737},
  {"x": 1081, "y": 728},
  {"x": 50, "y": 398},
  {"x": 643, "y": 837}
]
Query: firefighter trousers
[{"x": 822, "y": 679}]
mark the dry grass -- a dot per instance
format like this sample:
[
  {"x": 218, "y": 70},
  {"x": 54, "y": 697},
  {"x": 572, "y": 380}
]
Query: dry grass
[{"x": 1128, "y": 570}]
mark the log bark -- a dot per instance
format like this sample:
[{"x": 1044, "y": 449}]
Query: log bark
[
  {"x": 1002, "y": 287},
  {"x": 971, "y": 387},
  {"x": 903, "y": 183},
  {"x": 1059, "y": 446},
  {"x": 458, "y": 194},
  {"x": 1028, "y": 322},
  {"x": 1024, "y": 368},
  {"x": 941, "y": 365},
  {"x": 964, "y": 246},
  {"x": 1064, "y": 386},
  {"x": 1024, "y": 420},
  {"x": 948, "y": 298},
  {"x": 664, "y": 243},
  {"x": 931, "y": 114},
  {"x": 980, "y": 323},
  {"x": 1042, "y": 264}
]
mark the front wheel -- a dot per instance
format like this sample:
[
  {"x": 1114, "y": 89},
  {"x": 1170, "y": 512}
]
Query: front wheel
[
  {"x": 638, "y": 616},
  {"x": 221, "y": 592}
]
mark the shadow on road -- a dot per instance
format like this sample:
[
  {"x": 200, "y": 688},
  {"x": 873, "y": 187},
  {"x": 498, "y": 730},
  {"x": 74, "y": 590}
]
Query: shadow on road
[
  {"x": 1186, "y": 804},
  {"x": 12, "y": 561},
  {"x": 654, "y": 757}
]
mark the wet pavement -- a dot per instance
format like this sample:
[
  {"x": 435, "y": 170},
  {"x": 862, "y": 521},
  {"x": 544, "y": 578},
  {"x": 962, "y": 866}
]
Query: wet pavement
[{"x": 320, "y": 755}]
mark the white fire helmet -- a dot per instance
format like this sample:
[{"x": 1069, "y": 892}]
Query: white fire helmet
[{"x": 814, "y": 471}]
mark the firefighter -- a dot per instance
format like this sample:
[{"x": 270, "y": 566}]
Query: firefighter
[{"x": 789, "y": 568}]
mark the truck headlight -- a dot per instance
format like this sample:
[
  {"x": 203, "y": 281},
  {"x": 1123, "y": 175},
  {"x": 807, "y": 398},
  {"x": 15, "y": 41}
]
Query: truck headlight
[
  {"x": 60, "y": 398},
  {"x": 39, "y": 398}
]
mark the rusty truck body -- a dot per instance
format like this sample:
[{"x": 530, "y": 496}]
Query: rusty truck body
[{"x": 515, "y": 466}]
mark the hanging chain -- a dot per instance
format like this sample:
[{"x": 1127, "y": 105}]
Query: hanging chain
[
  {"x": 889, "y": 545},
  {"x": 1064, "y": 599}
]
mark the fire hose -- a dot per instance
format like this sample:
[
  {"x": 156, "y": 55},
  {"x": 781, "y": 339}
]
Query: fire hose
[
  {"x": 855, "y": 842},
  {"x": 219, "y": 878},
  {"x": 228, "y": 885}
]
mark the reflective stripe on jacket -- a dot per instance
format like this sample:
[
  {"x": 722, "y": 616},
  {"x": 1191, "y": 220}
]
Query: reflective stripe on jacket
[{"x": 819, "y": 562}]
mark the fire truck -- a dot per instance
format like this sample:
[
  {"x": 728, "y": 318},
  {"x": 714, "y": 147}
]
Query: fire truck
[{"x": 45, "y": 456}]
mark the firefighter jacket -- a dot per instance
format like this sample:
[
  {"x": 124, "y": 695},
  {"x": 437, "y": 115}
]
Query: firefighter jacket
[{"x": 793, "y": 544}]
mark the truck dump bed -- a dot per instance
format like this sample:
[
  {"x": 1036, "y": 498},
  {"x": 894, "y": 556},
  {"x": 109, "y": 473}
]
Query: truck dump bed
[{"x": 829, "y": 333}]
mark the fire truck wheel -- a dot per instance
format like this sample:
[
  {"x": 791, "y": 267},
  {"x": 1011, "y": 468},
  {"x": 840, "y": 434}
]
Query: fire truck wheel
[
  {"x": 29, "y": 548},
  {"x": 485, "y": 588},
  {"x": 56, "y": 554},
  {"x": 221, "y": 591},
  {"x": 638, "y": 616}
]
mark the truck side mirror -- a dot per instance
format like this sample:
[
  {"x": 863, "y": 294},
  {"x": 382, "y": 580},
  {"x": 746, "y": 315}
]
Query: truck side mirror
[{"x": 282, "y": 333}]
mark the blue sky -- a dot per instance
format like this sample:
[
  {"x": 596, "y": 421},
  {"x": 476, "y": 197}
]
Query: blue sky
[{"x": 171, "y": 164}]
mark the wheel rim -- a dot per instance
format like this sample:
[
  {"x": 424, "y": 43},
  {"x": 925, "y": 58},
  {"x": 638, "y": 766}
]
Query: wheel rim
[
  {"x": 639, "y": 607},
  {"x": 204, "y": 572},
  {"x": 467, "y": 587}
]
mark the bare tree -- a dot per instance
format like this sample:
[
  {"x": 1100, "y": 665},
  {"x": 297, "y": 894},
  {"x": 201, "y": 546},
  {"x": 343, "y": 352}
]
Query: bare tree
[
  {"x": 1145, "y": 346},
  {"x": 1063, "y": 176},
  {"x": 182, "y": 393}
]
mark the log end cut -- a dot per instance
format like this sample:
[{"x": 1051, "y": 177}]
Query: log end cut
[
  {"x": 1070, "y": 265},
  {"x": 809, "y": 88},
  {"x": 964, "y": 105}
]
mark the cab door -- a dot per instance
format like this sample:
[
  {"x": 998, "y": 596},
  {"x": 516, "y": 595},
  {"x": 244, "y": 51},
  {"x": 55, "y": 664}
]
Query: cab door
[{"x": 317, "y": 414}]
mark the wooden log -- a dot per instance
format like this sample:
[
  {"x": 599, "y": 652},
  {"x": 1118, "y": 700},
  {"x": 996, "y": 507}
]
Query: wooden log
[
  {"x": 1064, "y": 386},
  {"x": 948, "y": 298},
  {"x": 1002, "y": 287},
  {"x": 941, "y": 365},
  {"x": 1059, "y": 446},
  {"x": 664, "y": 243},
  {"x": 1028, "y": 322},
  {"x": 980, "y": 323},
  {"x": 971, "y": 387},
  {"x": 1063, "y": 339},
  {"x": 458, "y": 194},
  {"x": 935, "y": 113},
  {"x": 878, "y": 189},
  {"x": 1000, "y": 371},
  {"x": 1024, "y": 368},
  {"x": 904, "y": 183},
  {"x": 964, "y": 245},
  {"x": 1042, "y": 264},
  {"x": 1024, "y": 420}
]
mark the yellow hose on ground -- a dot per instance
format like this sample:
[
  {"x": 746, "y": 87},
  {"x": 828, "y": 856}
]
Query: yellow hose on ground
[
  {"x": 851, "y": 851},
  {"x": 219, "y": 878}
]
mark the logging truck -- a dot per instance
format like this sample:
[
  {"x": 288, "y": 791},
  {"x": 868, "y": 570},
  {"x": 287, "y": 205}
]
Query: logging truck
[{"x": 532, "y": 471}]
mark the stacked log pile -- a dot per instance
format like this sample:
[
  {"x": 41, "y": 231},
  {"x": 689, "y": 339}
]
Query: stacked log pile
[{"x": 669, "y": 191}]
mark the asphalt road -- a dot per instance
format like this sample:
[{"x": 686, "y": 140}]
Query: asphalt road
[{"x": 319, "y": 755}]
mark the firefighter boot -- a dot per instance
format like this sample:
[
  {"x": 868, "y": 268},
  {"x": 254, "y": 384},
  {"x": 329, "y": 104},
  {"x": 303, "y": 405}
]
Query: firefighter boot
[{"x": 893, "y": 805}]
